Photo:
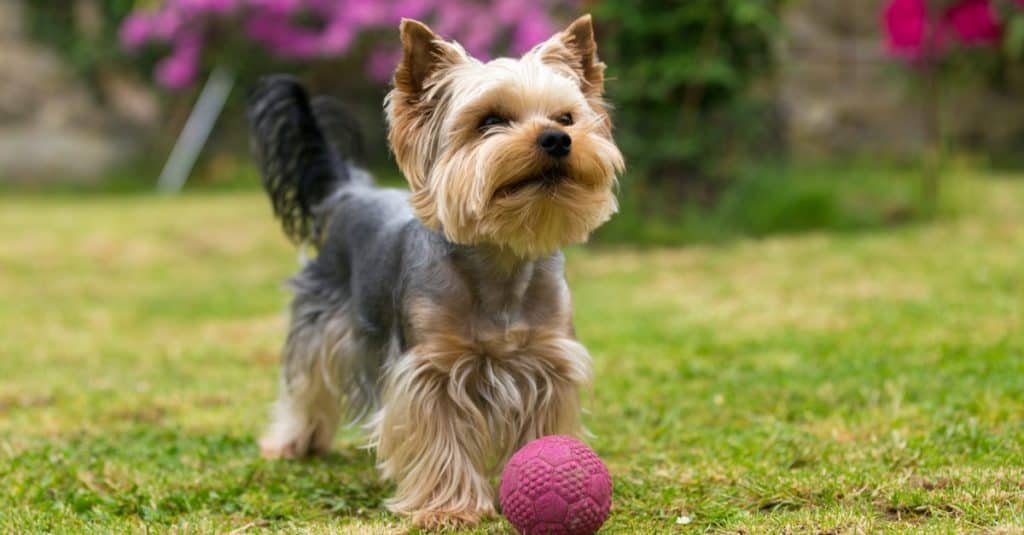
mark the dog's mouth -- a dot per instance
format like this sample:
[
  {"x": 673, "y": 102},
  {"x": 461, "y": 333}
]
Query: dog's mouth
[{"x": 547, "y": 179}]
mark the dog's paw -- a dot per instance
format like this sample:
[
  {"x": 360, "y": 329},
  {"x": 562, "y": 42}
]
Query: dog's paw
[
  {"x": 278, "y": 451},
  {"x": 435, "y": 520},
  {"x": 274, "y": 447}
]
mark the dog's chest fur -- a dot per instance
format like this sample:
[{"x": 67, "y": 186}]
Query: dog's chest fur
[
  {"x": 494, "y": 314},
  {"x": 499, "y": 348}
]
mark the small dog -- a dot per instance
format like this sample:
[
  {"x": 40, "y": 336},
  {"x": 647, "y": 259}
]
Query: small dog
[{"x": 441, "y": 318}]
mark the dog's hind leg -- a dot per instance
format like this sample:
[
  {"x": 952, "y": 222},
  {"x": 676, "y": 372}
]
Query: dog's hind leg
[{"x": 308, "y": 409}]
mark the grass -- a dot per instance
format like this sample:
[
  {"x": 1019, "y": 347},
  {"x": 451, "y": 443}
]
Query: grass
[{"x": 822, "y": 382}]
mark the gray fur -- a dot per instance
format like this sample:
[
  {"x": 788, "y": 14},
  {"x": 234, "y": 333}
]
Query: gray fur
[
  {"x": 377, "y": 257},
  {"x": 457, "y": 355}
]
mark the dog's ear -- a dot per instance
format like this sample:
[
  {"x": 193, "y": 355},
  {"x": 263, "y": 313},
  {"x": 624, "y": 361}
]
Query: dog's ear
[
  {"x": 424, "y": 53},
  {"x": 576, "y": 48}
]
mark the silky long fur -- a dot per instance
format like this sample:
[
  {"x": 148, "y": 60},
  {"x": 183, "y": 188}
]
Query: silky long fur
[
  {"x": 454, "y": 173},
  {"x": 442, "y": 403},
  {"x": 300, "y": 164},
  {"x": 440, "y": 319}
]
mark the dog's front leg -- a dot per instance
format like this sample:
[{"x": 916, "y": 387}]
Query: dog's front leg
[{"x": 433, "y": 442}]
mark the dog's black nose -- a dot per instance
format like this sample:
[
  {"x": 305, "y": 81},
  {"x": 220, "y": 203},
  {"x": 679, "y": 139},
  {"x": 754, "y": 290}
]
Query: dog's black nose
[{"x": 554, "y": 142}]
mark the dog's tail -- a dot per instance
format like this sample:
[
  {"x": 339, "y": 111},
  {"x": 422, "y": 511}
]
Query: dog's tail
[{"x": 305, "y": 149}]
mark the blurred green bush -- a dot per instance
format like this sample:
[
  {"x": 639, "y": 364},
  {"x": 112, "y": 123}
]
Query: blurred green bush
[
  {"x": 769, "y": 199},
  {"x": 84, "y": 33},
  {"x": 684, "y": 82}
]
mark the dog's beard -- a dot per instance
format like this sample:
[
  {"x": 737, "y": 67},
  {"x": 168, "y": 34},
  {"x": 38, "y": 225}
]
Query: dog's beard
[
  {"x": 548, "y": 179},
  {"x": 500, "y": 191}
]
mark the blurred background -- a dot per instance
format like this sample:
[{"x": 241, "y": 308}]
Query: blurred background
[
  {"x": 737, "y": 117},
  {"x": 807, "y": 316}
]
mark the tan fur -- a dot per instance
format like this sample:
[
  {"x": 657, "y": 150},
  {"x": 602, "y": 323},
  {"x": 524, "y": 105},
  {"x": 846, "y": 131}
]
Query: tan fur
[
  {"x": 492, "y": 362},
  {"x": 306, "y": 414},
  {"x": 454, "y": 170},
  {"x": 468, "y": 394}
]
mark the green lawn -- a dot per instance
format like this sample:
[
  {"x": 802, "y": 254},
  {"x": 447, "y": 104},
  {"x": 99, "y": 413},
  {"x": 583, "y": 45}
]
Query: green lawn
[{"x": 849, "y": 383}]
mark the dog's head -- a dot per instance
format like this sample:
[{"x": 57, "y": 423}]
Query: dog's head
[{"x": 516, "y": 153}]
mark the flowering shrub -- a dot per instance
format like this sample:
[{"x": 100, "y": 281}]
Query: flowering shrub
[
  {"x": 926, "y": 32},
  {"x": 927, "y": 29},
  {"x": 307, "y": 29}
]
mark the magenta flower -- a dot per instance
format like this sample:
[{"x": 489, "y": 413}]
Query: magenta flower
[
  {"x": 135, "y": 31},
  {"x": 179, "y": 70},
  {"x": 478, "y": 35},
  {"x": 382, "y": 63},
  {"x": 534, "y": 27},
  {"x": 913, "y": 33},
  {"x": 417, "y": 8},
  {"x": 973, "y": 22},
  {"x": 282, "y": 28},
  {"x": 286, "y": 40},
  {"x": 366, "y": 13},
  {"x": 279, "y": 7},
  {"x": 166, "y": 24},
  {"x": 220, "y": 7},
  {"x": 337, "y": 37},
  {"x": 907, "y": 27},
  {"x": 509, "y": 11}
]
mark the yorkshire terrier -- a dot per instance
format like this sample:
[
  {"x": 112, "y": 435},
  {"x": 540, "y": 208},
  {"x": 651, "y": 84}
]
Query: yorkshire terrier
[{"x": 440, "y": 317}]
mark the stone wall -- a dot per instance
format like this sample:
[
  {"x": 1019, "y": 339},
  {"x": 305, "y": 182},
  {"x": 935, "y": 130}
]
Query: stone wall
[
  {"x": 841, "y": 94},
  {"x": 52, "y": 128},
  {"x": 839, "y": 91}
]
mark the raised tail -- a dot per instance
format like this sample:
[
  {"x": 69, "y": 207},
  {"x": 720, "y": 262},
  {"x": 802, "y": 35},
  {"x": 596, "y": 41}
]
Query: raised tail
[{"x": 305, "y": 149}]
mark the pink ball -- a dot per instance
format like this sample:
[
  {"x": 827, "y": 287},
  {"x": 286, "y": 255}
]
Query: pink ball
[{"x": 556, "y": 485}]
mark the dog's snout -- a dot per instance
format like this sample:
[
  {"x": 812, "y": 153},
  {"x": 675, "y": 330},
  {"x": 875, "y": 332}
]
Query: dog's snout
[{"x": 554, "y": 142}]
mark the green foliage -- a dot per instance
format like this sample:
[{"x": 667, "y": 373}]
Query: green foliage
[
  {"x": 1011, "y": 13},
  {"x": 67, "y": 26},
  {"x": 774, "y": 199},
  {"x": 682, "y": 82},
  {"x": 1014, "y": 42}
]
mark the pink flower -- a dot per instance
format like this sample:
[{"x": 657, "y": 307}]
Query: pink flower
[
  {"x": 417, "y": 8},
  {"x": 179, "y": 70},
  {"x": 283, "y": 39},
  {"x": 451, "y": 17},
  {"x": 135, "y": 31},
  {"x": 509, "y": 11},
  {"x": 534, "y": 28},
  {"x": 913, "y": 34},
  {"x": 337, "y": 37},
  {"x": 166, "y": 24},
  {"x": 906, "y": 25},
  {"x": 973, "y": 23},
  {"x": 383, "y": 62},
  {"x": 280, "y": 7},
  {"x": 220, "y": 7},
  {"x": 478, "y": 34},
  {"x": 281, "y": 27},
  {"x": 366, "y": 13}
]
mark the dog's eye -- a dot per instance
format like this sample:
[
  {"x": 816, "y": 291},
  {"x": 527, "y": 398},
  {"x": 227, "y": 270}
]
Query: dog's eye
[
  {"x": 564, "y": 119},
  {"x": 492, "y": 120}
]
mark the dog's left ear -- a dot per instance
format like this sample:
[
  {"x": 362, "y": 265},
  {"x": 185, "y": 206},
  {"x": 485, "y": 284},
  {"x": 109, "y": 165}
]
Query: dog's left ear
[{"x": 576, "y": 48}]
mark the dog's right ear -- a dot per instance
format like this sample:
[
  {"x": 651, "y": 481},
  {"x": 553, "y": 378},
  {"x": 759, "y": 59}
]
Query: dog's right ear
[{"x": 424, "y": 53}]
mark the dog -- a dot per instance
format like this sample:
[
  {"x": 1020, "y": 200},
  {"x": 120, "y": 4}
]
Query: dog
[{"x": 440, "y": 318}]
